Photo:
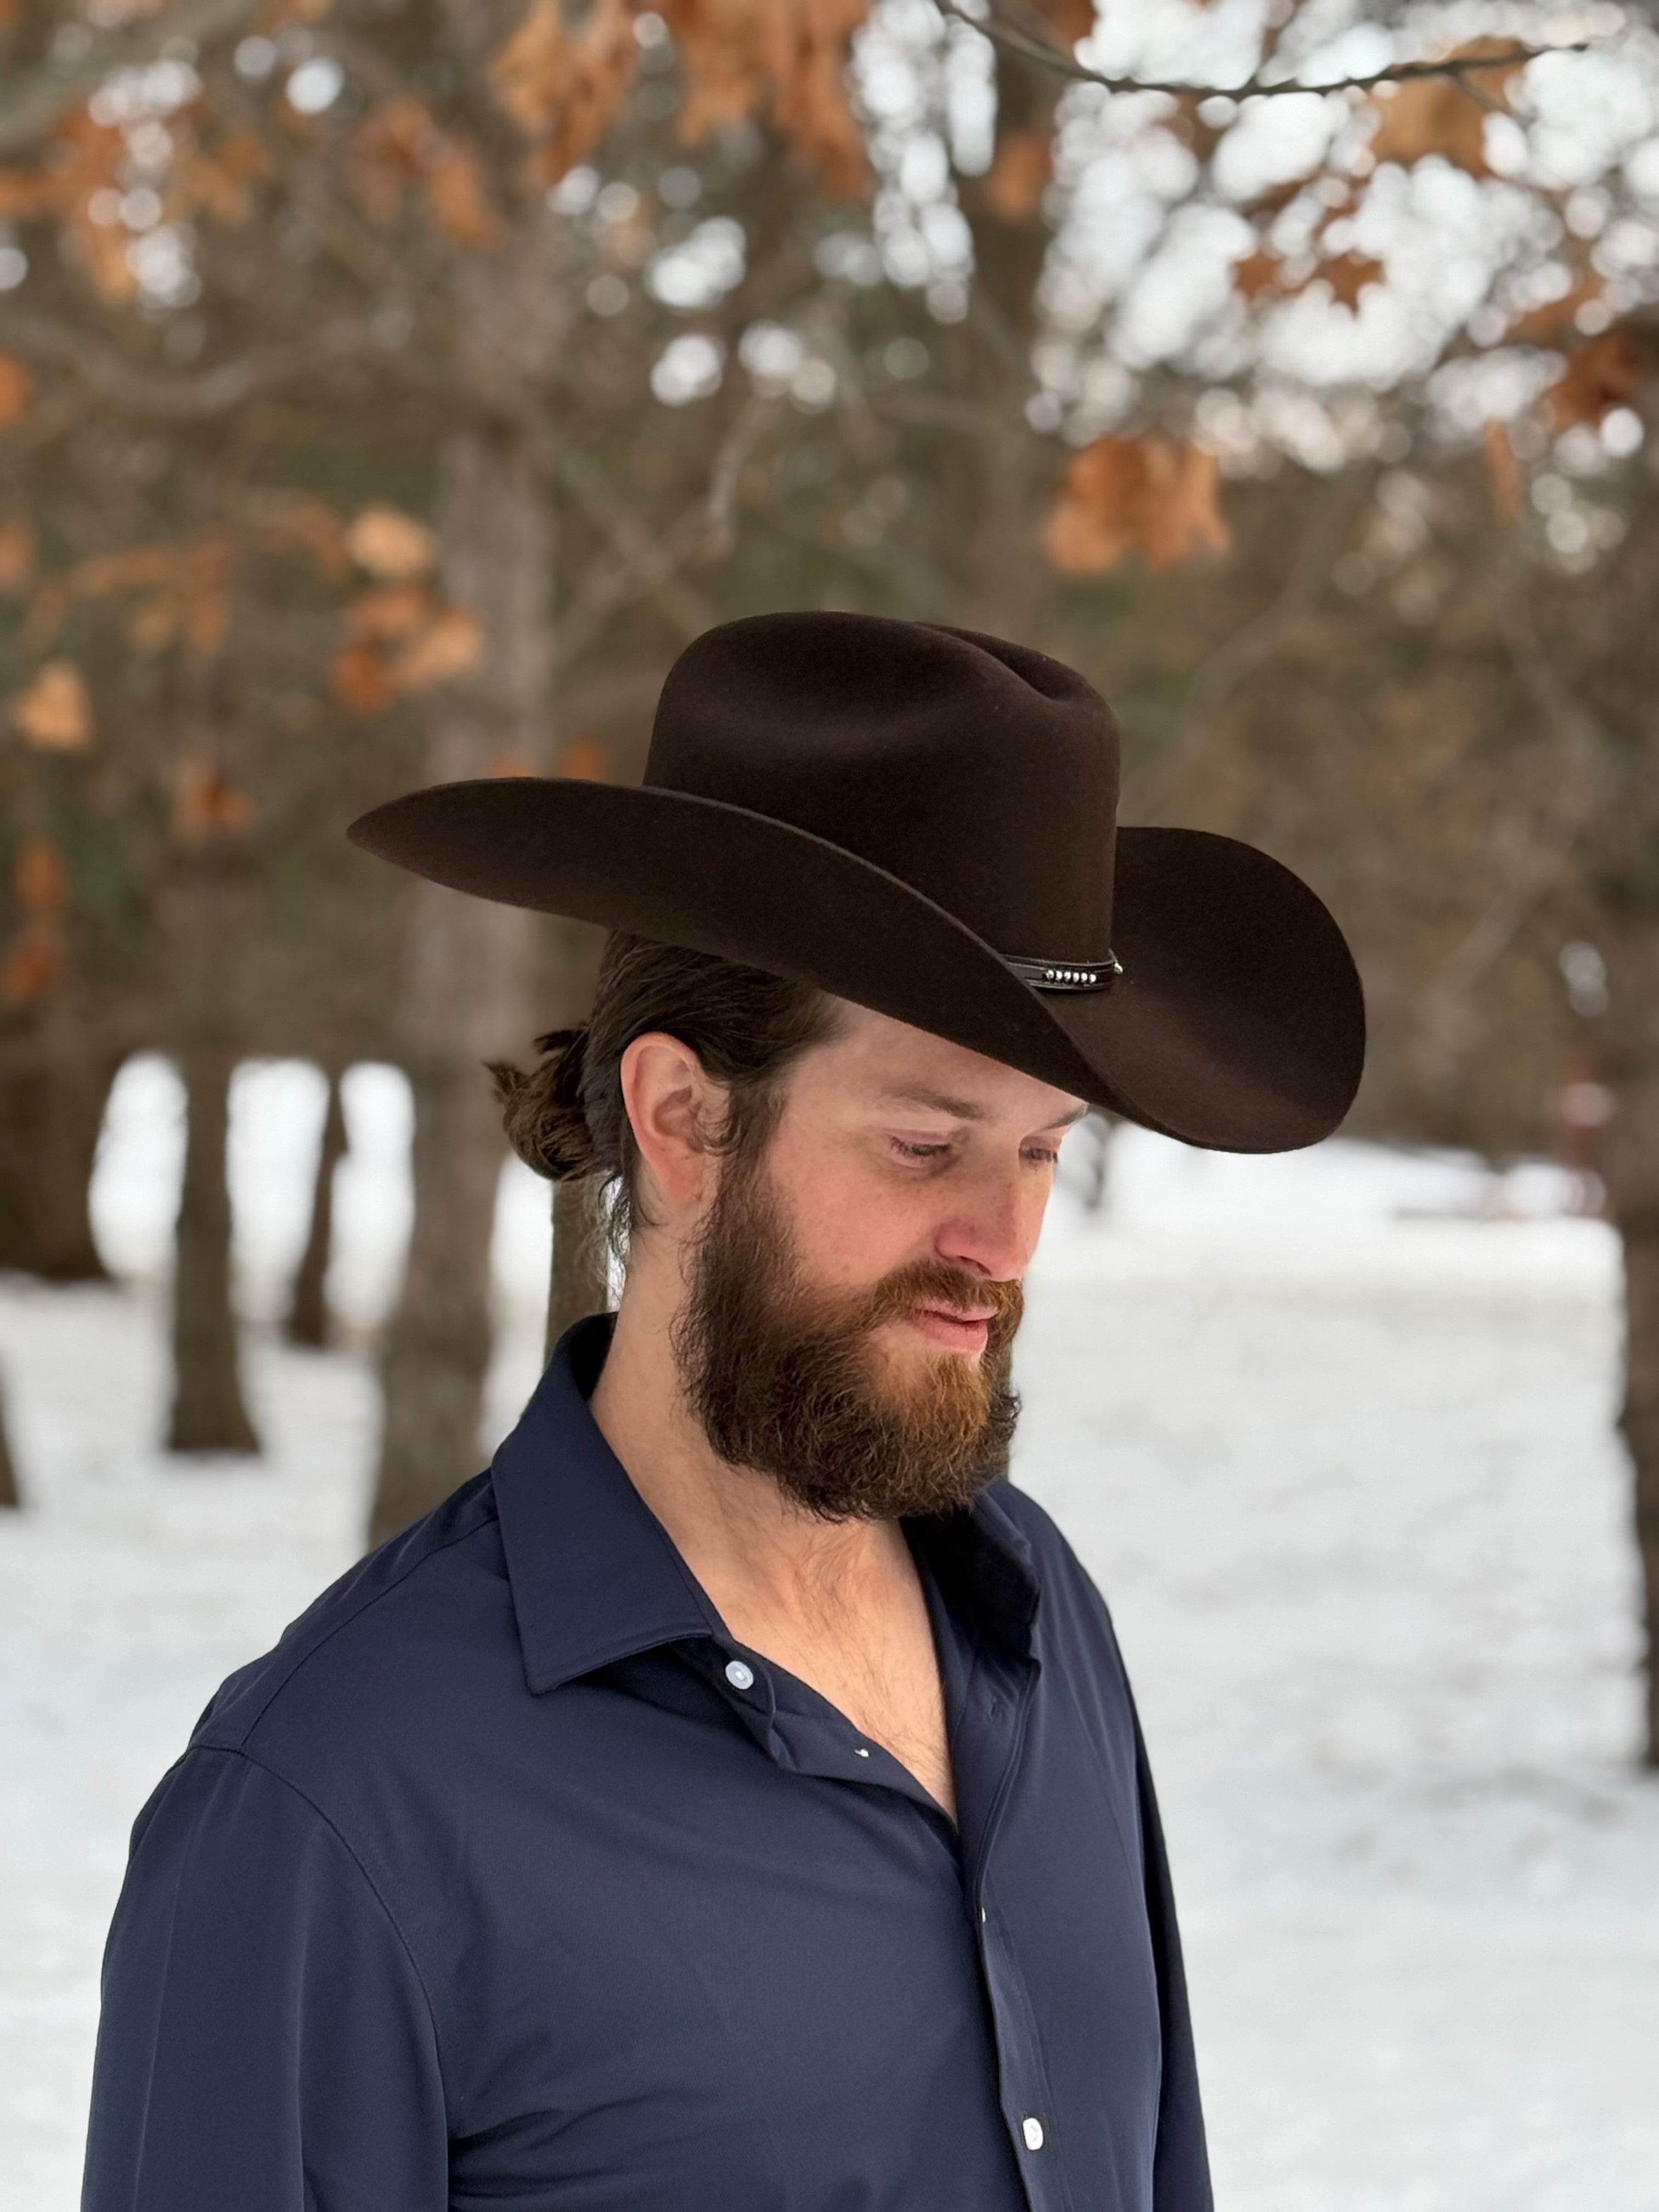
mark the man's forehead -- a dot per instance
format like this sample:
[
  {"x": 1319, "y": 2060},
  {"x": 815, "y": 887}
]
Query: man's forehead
[{"x": 894, "y": 1063}]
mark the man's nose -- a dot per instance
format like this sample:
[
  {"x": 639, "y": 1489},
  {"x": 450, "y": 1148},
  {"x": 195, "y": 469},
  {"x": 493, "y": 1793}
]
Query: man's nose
[{"x": 992, "y": 1229}]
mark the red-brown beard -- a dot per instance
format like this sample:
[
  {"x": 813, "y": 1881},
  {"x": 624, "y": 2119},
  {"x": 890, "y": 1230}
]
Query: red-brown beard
[{"x": 788, "y": 1379}]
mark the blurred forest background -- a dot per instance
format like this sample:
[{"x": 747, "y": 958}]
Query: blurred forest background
[{"x": 389, "y": 389}]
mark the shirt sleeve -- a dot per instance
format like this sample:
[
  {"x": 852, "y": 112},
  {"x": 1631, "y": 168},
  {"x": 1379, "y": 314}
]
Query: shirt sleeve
[
  {"x": 1181, "y": 2164},
  {"x": 265, "y": 2041}
]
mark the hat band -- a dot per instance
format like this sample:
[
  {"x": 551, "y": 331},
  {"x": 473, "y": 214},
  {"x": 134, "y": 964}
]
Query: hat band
[{"x": 1066, "y": 975}]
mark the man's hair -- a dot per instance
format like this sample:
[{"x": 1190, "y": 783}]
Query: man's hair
[{"x": 566, "y": 1117}]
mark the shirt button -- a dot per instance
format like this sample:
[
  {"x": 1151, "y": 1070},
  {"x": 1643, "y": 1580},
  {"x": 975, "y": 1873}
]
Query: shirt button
[
  {"x": 739, "y": 1675},
  {"x": 1031, "y": 2127}
]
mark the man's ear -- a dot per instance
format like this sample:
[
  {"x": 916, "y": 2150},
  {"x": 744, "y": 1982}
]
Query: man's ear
[{"x": 671, "y": 1106}]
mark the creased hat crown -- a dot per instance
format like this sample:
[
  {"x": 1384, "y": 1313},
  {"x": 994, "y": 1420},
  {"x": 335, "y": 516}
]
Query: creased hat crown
[{"x": 983, "y": 774}]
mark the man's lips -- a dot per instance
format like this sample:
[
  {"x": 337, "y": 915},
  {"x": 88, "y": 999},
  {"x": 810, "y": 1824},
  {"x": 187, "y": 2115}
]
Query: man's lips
[{"x": 957, "y": 1327}]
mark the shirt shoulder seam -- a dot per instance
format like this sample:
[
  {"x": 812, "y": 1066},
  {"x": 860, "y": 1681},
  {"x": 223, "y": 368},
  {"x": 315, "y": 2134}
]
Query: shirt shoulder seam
[
  {"x": 237, "y": 1740},
  {"x": 236, "y": 1751}
]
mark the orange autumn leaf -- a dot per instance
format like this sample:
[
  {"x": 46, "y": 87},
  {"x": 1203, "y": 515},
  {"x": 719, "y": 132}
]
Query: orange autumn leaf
[
  {"x": 585, "y": 757},
  {"x": 16, "y": 388},
  {"x": 391, "y": 545},
  {"x": 390, "y": 611},
  {"x": 206, "y": 622},
  {"x": 16, "y": 555},
  {"x": 1071, "y": 20},
  {"x": 391, "y": 147},
  {"x": 206, "y": 804},
  {"x": 1606, "y": 371},
  {"x": 450, "y": 645},
  {"x": 132, "y": 567},
  {"x": 563, "y": 85},
  {"x": 1439, "y": 115},
  {"x": 1014, "y": 185},
  {"x": 398, "y": 144},
  {"x": 40, "y": 880},
  {"x": 1143, "y": 495},
  {"x": 1348, "y": 275},
  {"x": 509, "y": 761},
  {"x": 154, "y": 623},
  {"x": 26, "y": 195},
  {"x": 527, "y": 74},
  {"x": 459, "y": 198},
  {"x": 53, "y": 713},
  {"x": 1555, "y": 322},
  {"x": 1258, "y": 276},
  {"x": 361, "y": 681},
  {"x": 781, "y": 60},
  {"x": 534, "y": 70},
  {"x": 30, "y": 965},
  {"x": 381, "y": 162},
  {"x": 47, "y": 611},
  {"x": 101, "y": 251},
  {"x": 1503, "y": 471}
]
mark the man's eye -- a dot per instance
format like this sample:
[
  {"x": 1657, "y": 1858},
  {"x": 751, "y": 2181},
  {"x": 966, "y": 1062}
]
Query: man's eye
[
  {"x": 913, "y": 1152},
  {"x": 1043, "y": 1156}
]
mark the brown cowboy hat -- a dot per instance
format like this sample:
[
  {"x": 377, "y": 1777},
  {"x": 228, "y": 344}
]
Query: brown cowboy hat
[{"x": 923, "y": 820}]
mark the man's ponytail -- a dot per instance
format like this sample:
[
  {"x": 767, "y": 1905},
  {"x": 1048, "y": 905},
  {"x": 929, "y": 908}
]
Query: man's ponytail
[{"x": 543, "y": 1113}]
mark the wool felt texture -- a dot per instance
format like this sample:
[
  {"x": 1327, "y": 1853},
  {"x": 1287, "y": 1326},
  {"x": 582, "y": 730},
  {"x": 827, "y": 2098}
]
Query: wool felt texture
[{"x": 894, "y": 810}]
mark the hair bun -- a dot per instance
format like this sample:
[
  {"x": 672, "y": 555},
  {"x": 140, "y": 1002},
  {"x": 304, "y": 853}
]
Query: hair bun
[{"x": 542, "y": 1111}]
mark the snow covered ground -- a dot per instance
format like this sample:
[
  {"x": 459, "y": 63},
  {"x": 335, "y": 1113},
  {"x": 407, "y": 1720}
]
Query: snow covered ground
[{"x": 1332, "y": 1431}]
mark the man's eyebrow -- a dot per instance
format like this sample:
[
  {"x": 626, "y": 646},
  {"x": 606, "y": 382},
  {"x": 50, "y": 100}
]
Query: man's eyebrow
[{"x": 968, "y": 1109}]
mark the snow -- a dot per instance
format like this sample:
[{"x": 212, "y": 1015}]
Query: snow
[{"x": 1334, "y": 1433}]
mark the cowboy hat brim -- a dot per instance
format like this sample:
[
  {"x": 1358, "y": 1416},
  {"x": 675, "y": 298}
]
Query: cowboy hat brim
[{"x": 1237, "y": 1025}]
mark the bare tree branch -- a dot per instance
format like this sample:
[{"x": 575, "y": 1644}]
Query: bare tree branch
[
  {"x": 1216, "y": 678},
  {"x": 172, "y": 398},
  {"x": 650, "y": 565},
  {"x": 1541, "y": 853},
  {"x": 1046, "y": 55},
  {"x": 29, "y": 110}
]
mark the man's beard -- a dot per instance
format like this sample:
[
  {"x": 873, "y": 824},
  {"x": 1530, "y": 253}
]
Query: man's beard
[{"x": 789, "y": 1380}]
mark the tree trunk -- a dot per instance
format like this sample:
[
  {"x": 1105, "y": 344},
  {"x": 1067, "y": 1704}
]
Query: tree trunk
[
  {"x": 1629, "y": 939},
  {"x": 1639, "y": 1420},
  {"x": 467, "y": 994},
  {"x": 1610, "y": 625},
  {"x": 995, "y": 485},
  {"x": 209, "y": 1414},
  {"x": 307, "y": 1315},
  {"x": 9, "y": 1498},
  {"x": 581, "y": 1281},
  {"x": 51, "y": 1110},
  {"x": 438, "y": 1350},
  {"x": 467, "y": 990},
  {"x": 1630, "y": 944}
]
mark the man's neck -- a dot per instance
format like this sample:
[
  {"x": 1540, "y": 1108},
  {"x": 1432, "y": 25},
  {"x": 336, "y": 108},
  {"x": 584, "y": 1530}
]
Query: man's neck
[{"x": 760, "y": 1557}]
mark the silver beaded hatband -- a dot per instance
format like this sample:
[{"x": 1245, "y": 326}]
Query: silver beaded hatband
[{"x": 1066, "y": 975}]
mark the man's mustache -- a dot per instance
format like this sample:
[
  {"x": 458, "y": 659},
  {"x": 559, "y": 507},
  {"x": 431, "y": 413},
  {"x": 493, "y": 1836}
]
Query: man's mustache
[{"x": 909, "y": 1290}]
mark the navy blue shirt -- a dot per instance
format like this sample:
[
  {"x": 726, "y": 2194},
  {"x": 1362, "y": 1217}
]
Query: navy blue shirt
[{"x": 511, "y": 1879}]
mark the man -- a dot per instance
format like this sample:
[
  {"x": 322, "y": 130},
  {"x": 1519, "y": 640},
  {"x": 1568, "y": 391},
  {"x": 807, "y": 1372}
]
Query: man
[{"x": 733, "y": 1800}]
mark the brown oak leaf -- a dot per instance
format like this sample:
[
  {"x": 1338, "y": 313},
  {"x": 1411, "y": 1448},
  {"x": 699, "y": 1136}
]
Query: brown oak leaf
[
  {"x": 1145, "y": 495},
  {"x": 53, "y": 713}
]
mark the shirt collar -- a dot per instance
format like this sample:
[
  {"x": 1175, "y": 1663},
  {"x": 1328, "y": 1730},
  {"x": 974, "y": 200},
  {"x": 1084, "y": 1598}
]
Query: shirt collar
[{"x": 595, "y": 1575}]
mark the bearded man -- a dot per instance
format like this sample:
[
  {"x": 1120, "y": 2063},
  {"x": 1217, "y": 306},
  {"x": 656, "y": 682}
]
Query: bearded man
[{"x": 733, "y": 1800}]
